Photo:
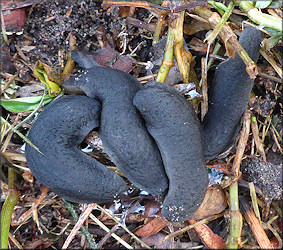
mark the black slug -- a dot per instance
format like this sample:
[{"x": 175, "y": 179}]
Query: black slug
[
  {"x": 172, "y": 122},
  {"x": 160, "y": 131},
  {"x": 122, "y": 129},
  {"x": 229, "y": 97},
  {"x": 61, "y": 165}
]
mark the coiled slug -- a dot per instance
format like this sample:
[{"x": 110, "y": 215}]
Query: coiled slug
[
  {"x": 122, "y": 130},
  {"x": 163, "y": 132}
]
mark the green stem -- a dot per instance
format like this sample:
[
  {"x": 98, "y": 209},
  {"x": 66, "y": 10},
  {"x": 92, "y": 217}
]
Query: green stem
[
  {"x": 236, "y": 220},
  {"x": 216, "y": 49},
  {"x": 219, "y": 26},
  {"x": 167, "y": 62},
  {"x": 260, "y": 18},
  {"x": 220, "y": 7},
  {"x": 8, "y": 208}
]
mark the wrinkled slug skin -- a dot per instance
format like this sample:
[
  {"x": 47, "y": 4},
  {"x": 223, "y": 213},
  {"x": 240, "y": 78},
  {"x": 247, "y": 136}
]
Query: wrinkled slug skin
[
  {"x": 229, "y": 98},
  {"x": 172, "y": 122},
  {"x": 62, "y": 167},
  {"x": 122, "y": 129}
]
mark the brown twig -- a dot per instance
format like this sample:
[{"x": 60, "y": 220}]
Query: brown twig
[
  {"x": 30, "y": 211},
  {"x": 203, "y": 221},
  {"x": 204, "y": 91},
  {"x": 107, "y": 236},
  {"x": 272, "y": 78},
  {"x": 257, "y": 139},
  {"x": 229, "y": 38},
  {"x": 255, "y": 225},
  {"x": 79, "y": 224},
  {"x": 242, "y": 144},
  {"x": 138, "y": 4}
]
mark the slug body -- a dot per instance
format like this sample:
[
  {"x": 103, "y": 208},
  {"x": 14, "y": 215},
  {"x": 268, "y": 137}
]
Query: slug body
[
  {"x": 172, "y": 122},
  {"x": 122, "y": 129},
  {"x": 61, "y": 165},
  {"x": 143, "y": 130},
  {"x": 229, "y": 98}
]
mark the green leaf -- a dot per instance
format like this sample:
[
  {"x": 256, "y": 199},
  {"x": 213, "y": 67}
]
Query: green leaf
[
  {"x": 25, "y": 104},
  {"x": 262, "y": 4}
]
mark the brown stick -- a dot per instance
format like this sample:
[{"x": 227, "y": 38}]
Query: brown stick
[
  {"x": 255, "y": 225},
  {"x": 79, "y": 224},
  {"x": 242, "y": 143},
  {"x": 30, "y": 211},
  {"x": 258, "y": 141}
]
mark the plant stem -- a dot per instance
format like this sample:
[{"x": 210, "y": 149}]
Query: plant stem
[
  {"x": 160, "y": 22},
  {"x": 220, "y": 7},
  {"x": 260, "y": 18},
  {"x": 8, "y": 208},
  {"x": 236, "y": 221},
  {"x": 219, "y": 26},
  {"x": 167, "y": 62}
]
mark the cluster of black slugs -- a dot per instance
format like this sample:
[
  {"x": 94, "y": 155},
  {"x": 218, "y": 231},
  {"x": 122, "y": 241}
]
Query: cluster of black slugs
[{"x": 151, "y": 133}]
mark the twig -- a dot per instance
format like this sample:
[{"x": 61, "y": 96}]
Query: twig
[
  {"x": 203, "y": 221},
  {"x": 255, "y": 225},
  {"x": 236, "y": 220},
  {"x": 25, "y": 216},
  {"x": 138, "y": 4},
  {"x": 146, "y": 78},
  {"x": 272, "y": 78},
  {"x": 20, "y": 135},
  {"x": 107, "y": 236},
  {"x": 254, "y": 199},
  {"x": 5, "y": 37},
  {"x": 210, "y": 39},
  {"x": 72, "y": 211},
  {"x": 124, "y": 227},
  {"x": 204, "y": 90},
  {"x": 115, "y": 236},
  {"x": 257, "y": 139},
  {"x": 275, "y": 233},
  {"x": 17, "y": 244},
  {"x": 216, "y": 49},
  {"x": 276, "y": 140},
  {"x": 267, "y": 55},
  {"x": 79, "y": 224},
  {"x": 229, "y": 39},
  {"x": 242, "y": 143}
]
